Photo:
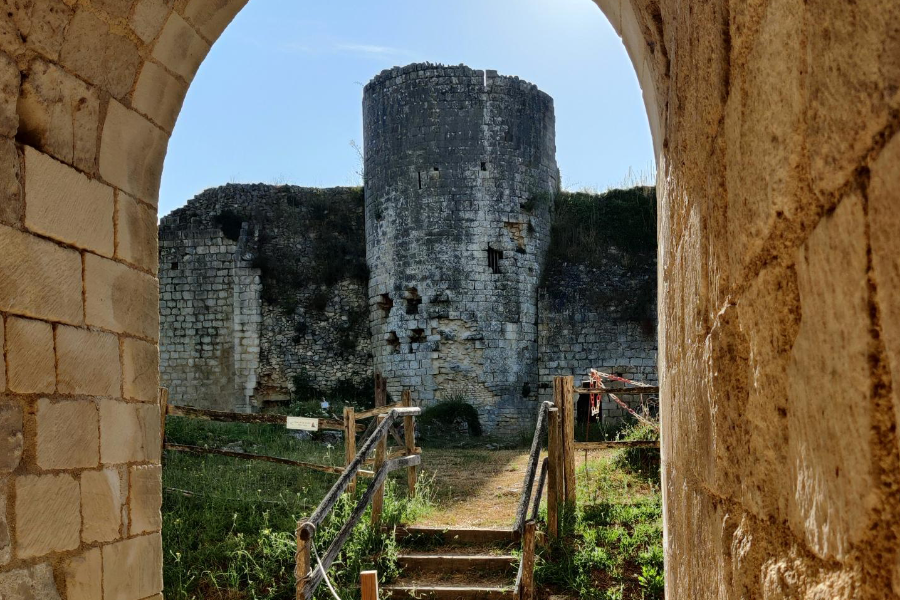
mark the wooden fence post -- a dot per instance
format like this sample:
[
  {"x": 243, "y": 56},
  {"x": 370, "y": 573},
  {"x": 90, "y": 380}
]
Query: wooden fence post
[
  {"x": 163, "y": 410},
  {"x": 553, "y": 473},
  {"x": 409, "y": 434},
  {"x": 368, "y": 585},
  {"x": 380, "y": 390},
  {"x": 302, "y": 564},
  {"x": 568, "y": 435},
  {"x": 380, "y": 452},
  {"x": 526, "y": 590},
  {"x": 350, "y": 441}
]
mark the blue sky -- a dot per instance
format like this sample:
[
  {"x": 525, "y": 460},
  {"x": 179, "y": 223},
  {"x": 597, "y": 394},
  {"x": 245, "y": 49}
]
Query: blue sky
[{"x": 278, "y": 99}]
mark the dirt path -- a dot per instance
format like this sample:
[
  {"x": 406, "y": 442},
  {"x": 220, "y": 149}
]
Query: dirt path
[{"x": 476, "y": 487}]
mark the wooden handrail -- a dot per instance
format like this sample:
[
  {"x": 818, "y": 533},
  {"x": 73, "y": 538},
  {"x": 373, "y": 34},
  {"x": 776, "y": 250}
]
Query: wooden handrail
[
  {"x": 230, "y": 417},
  {"x": 315, "y": 577},
  {"x": 308, "y": 579},
  {"x": 378, "y": 410},
  {"x": 629, "y": 391},
  {"x": 540, "y": 489},
  {"x": 246, "y": 456},
  {"x": 617, "y": 444},
  {"x": 527, "y": 486}
]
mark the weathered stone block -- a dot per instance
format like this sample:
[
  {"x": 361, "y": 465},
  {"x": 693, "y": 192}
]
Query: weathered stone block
[
  {"x": 11, "y": 437},
  {"x": 63, "y": 204},
  {"x": 41, "y": 25},
  {"x": 9, "y": 94},
  {"x": 38, "y": 278},
  {"x": 101, "y": 505},
  {"x": 180, "y": 48},
  {"x": 132, "y": 150},
  {"x": 29, "y": 583},
  {"x": 60, "y": 115},
  {"x": 48, "y": 514},
  {"x": 145, "y": 499},
  {"x": 68, "y": 434},
  {"x": 11, "y": 197},
  {"x": 884, "y": 223},
  {"x": 159, "y": 95},
  {"x": 136, "y": 241},
  {"x": 211, "y": 18},
  {"x": 29, "y": 358},
  {"x": 5, "y": 539},
  {"x": 83, "y": 576},
  {"x": 149, "y": 16},
  {"x": 132, "y": 569},
  {"x": 103, "y": 58},
  {"x": 140, "y": 370},
  {"x": 828, "y": 374},
  {"x": 88, "y": 362},
  {"x": 120, "y": 298},
  {"x": 129, "y": 432}
]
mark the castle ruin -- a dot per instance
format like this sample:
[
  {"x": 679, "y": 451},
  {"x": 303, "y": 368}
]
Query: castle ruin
[{"x": 265, "y": 288}]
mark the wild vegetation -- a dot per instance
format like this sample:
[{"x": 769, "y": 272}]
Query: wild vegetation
[{"x": 611, "y": 547}]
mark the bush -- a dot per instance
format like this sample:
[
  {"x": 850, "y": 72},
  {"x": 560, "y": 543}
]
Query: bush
[
  {"x": 442, "y": 417},
  {"x": 643, "y": 461}
]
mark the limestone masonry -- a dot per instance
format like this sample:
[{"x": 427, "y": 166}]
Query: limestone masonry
[{"x": 461, "y": 178}]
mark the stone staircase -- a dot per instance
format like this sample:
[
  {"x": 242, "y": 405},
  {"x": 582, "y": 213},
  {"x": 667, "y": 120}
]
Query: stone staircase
[{"x": 455, "y": 564}]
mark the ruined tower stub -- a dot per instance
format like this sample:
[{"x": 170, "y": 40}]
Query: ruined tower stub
[{"x": 460, "y": 171}]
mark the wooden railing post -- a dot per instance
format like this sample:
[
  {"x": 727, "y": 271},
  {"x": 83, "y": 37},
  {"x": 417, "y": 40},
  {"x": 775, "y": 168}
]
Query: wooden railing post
[
  {"x": 526, "y": 589},
  {"x": 568, "y": 433},
  {"x": 368, "y": 585},
  {"x": 302, "y": 564},
  {"x": 380, "y": 452},
  {"x": 380, "y": 390},
  {"x": 554, "y": 477},
  {"x": 409, "y": 434},
  {"x": 563, "y": 392},
  {"x": 350, "y": 441},
  {"x": 163, "y": 411}
]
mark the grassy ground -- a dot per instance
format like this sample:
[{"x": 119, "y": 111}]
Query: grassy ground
[
  {"x": 232, "y": 538},
  {"x": 613, "y": 541}
]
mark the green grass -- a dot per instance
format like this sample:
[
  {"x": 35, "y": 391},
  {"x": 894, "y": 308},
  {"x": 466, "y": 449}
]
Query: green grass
[
  {"x": 234, "y": 537},
  {"x": 611, "y": 546}
]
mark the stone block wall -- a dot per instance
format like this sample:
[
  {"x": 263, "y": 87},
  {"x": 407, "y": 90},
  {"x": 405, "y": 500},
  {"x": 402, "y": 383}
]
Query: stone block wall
[
  {"x": 261, "y": 284},
  {"x": 460, "y": 176},
  {"x": 210, "y": 317}
]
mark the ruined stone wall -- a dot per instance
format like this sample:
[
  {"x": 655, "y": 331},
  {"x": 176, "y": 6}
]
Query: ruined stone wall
[
  {"x": 210, "y": 317},
  {"x": 576, "y": 334},
  {"x": 257, "y": 288},
  {"x": 460, "y": 175}
]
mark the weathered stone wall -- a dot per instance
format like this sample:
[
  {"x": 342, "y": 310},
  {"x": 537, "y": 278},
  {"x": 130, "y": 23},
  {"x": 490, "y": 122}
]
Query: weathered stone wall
[
  {"x": 460, "y": 175},
  {"x": 255, "y": 292}
]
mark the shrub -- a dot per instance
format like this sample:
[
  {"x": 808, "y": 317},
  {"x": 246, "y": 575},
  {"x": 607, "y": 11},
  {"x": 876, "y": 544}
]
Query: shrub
[
  {"x": 644, "y": 461},
  {"x": 442, "y": 417}
]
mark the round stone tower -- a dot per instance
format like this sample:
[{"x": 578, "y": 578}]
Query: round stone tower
[{"x": 460, "y": 172}]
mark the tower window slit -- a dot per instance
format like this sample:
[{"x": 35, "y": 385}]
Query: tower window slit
[{"x": 494, "y": 257}]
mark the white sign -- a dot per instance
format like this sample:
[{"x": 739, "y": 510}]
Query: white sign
[{"x": 303, "y": 423}]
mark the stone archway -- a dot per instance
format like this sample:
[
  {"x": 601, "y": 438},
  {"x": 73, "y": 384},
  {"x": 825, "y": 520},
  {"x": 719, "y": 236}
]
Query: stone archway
[{"x": 774, "y": 125}]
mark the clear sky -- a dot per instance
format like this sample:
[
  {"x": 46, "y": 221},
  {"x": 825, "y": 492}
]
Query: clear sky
[{"x": 278, "y": 99}]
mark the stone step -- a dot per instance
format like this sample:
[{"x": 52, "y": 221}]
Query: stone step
[
  {"x": 447, "y": 592},
  {"x": 457, "y": 535},
  {"x": 421, "y": 562}
]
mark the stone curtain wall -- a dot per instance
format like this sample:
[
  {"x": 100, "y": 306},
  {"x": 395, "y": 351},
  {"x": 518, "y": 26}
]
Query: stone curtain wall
[
  {"x": 242, "y": 317},
  {"x": 575, "y": 336},
  {"x": 460, "y": 174},
  {"x": 210, "y": 317}
]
